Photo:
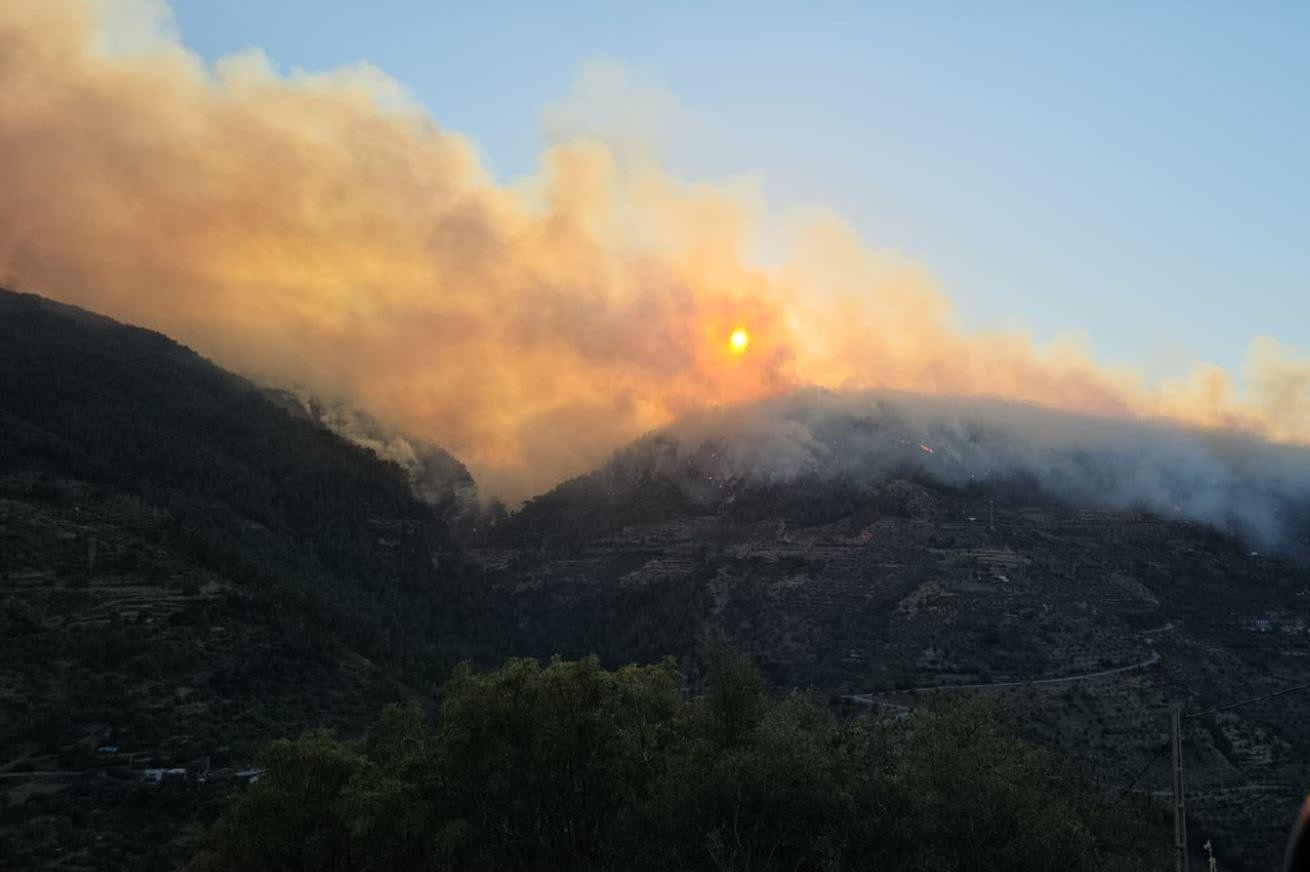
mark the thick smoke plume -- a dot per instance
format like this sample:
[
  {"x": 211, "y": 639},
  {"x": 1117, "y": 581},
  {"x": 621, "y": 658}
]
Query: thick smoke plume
[
  {"x": 321, "y": 231},
  {"x": 1257, "y": 490}
]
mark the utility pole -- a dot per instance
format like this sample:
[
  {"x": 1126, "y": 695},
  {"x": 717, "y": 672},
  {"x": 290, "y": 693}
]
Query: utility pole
[{"x": 1180, "y": 811}]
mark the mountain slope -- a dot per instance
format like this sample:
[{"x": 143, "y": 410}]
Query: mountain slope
[
  {"x": 1089, "y": 620},
  {"x": 186, "y": 570},
  {"x": 190, "y": 565},
  {"x": 436, "y": 477}
]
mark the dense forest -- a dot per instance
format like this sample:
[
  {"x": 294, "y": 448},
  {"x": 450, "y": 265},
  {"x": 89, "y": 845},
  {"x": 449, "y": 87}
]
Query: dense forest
[{"x": 570, "y": 766}]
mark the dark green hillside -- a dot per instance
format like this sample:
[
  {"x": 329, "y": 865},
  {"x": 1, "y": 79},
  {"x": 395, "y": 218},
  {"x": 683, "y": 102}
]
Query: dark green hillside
[
  {"x": 1086, "y": 625},
  {"x": 186, "y": 570},
  {"x": 191, "y": 566}
]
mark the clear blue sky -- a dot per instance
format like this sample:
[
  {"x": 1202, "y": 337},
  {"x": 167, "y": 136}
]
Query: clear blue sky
[{"x": 1138, "y": 172}]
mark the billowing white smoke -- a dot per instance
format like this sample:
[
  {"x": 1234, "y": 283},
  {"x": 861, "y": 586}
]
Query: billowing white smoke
[
  {"x": 435, "y": 477},
  {"x": 322, "y": 230},
  {"x": 1227, "y": 480}
]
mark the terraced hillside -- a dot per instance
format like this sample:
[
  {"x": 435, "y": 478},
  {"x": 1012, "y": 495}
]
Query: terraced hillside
[
  {"x": 191, "y": 565},
  {"x": 186, "y": 571},
  {"x": 1087, "y": 625}
]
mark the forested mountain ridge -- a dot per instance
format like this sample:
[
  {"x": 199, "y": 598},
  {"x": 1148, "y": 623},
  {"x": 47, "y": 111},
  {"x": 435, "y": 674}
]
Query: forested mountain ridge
[
  {"x": 192, "y": 565},
  {"x": 1087, "y": 623},
  {"x": 186, "y": 570},
  {"x": 436, "y": 478}
]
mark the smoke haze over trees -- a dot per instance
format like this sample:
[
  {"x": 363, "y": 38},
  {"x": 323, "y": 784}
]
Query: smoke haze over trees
[{"x": 1234, "y": 482}]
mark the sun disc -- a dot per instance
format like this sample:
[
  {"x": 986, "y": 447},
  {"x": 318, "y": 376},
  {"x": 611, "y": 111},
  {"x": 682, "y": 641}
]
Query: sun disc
[{"x": 739, "y": 340}]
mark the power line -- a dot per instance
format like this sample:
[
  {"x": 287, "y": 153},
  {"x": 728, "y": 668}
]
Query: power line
[
  {"x": 1149, "y": 763},
  {"x": 1220, "y": 708},
  {"x": 1175, "y": 744},
  {"x": 1242, "y": 702}
]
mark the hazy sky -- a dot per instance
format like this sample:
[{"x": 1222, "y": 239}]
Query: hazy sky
[{"x": 1135, "y": 172}]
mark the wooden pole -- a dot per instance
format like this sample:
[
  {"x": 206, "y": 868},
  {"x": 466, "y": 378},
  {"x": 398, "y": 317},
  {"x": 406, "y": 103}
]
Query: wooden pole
[{"x": 1180, "y": 811}]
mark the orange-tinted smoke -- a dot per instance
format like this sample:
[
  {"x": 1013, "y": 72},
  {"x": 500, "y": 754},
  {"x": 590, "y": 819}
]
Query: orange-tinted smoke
[{"x": 323, "y": 231}]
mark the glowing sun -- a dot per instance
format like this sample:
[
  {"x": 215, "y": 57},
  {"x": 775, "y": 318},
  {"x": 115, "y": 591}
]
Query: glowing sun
[{"x": 739, "y": 340}]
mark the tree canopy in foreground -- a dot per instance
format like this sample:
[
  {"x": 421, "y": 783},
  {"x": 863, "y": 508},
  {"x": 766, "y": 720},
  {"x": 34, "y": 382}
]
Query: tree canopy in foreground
[{"x": 573, "y": 767}]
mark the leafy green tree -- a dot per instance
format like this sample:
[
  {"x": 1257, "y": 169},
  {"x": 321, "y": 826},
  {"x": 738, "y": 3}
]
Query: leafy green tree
[
  {"x": 546, "y": 765},
  {"x": 293, "y": 817},
  {"x": 569, "y": 766},
  {"x": 735, "y": 700},
  {"x": 768, "y": 800}
]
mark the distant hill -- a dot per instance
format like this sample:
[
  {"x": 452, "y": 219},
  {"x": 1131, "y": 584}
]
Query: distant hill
[
  {"x": 878, "y": 554},
  {"x": 186, "y": 570},
  {"x": 191, "y": 564},
  {"x": 808, "y": 446}
]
